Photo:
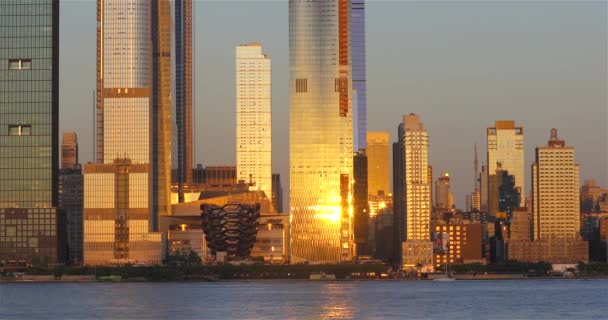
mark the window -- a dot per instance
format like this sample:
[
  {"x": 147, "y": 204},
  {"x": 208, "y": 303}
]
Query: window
[
  {"x": 20, "y": 64},
  {"x": 301, "y": 85},
  {"x": 20, "y": 130}
]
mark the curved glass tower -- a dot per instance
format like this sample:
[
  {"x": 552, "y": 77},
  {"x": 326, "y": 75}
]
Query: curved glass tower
[{"x": 321, "y": 131}]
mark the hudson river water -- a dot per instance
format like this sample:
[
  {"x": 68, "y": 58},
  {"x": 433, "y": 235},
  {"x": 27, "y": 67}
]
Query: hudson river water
[{"x": 506, "y": 299}]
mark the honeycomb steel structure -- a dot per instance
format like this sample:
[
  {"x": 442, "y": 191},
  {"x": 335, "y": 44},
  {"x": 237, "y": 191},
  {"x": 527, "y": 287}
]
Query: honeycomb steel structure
[{"x": 231, "y": 228}]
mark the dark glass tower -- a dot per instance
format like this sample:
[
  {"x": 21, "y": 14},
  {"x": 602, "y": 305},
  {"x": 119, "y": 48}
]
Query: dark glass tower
[
  {"x": 183, "y": 91},
  {"x": 357, "y": 40},
  {"x": 29, "y": 141}
]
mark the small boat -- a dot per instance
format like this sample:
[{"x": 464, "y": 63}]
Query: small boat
[
  {"x": 445, "y": 278},
  {"x": 322, "y": 276}
]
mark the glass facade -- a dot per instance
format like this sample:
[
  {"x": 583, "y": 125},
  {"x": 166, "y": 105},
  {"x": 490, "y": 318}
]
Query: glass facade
[
  {"x": 129, "y": 187},
  {"x": 505, "y": 152},
  {"x": 29, "y": 142},
  {"x": 357, "y": 35},
  {"x": 183, "y": 89},
  {"x": 378, "y": 162},
  {"x": 254, "y": 117},
  {"x": 321, "y": 131}
]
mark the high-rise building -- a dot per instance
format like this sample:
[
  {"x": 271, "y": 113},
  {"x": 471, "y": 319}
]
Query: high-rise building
[
  {"x": 360, "y": 204},
  {"x": 555, "y": 208},
  {"x": 128, "y": 188},
  {"x": 69, "y": 150},
  {"x": 183, "y": 90},
  {"x": 506, "y": 151},
  {"x": 357, "y": 47},
  {"x": 555, "y": 191},
  {"x": 378, "y": 162},
  {"x": 417, "y": 246},
  {"x": 398, "y": 198},
  {"x": 277, "y": 193},
  {"x": 254, "y": 117},
  {"x": 321, "y": 130},
  {"x": 29, "y": 131},
  {"x": 71, "y": 201},
  {"x": 443, "y": 196}
]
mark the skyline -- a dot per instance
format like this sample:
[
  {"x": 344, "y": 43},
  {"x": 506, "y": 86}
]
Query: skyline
[{"x": 432, "y": 86}]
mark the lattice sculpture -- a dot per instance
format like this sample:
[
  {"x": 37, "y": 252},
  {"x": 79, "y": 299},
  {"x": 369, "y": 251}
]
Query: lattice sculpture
[{"x": 231, "y": 228}]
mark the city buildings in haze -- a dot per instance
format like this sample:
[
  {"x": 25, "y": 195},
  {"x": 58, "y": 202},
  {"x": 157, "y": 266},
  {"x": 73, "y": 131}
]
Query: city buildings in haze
[
  {"x": 254, "y": 117},
  {"x": 29, "y": 131},
  {"x": 321, "y": 131},
  {"x": 69, "y": 150}
]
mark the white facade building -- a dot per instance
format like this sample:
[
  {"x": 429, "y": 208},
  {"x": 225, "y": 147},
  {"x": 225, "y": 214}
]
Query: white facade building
[{"x": 254, "y": 117}]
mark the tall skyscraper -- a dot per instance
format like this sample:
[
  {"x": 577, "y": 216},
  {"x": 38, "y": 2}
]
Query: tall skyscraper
[
  {"x": 129, "y": 186},
  {"x": 378, "y": 162},
  {"x": 506, "y": 151},
  {"x": 555, "y": 191},
  {"x": 254, "y": 117},
  {"x": 183, "y": 90},
  {"x": 443, "y": 196},
  {"x": 357, "y": 43},
  {"x": 321, "y": 130},
  {"x": 69, "y": 150},
  {"x": 483, "y": 188},
  {"x": 29, "y": 116},
  {"x": 417, "y": 246}
]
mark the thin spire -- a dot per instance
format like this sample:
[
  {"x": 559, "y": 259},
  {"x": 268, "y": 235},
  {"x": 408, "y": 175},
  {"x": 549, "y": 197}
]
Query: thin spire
[{"x": 475, "y": 176}]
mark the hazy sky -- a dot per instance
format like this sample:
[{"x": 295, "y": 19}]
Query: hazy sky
[{"x": 460, "y": 65}]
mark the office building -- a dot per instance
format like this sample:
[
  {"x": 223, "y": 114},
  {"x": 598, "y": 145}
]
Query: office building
[
  {"x": 184, "y": 78},
  {"x": 254, "y": 117},
  {"x": 555, "y": 208},
  {"x": 321, "y": 131},
  {"x": 272, "y": 239},
  {"x": 520, "y": 224},
  {"x": 505, "y": 151},
  {"x": 69, "y": 150},
  {"x": 398, "y": 197},
  {"x": 444, "y": 197},
  {"x": 555, "y": 191},
  {"x": 483, "y": 188},
  {"x": 128, "y": 188},
  {"x": 357, "y": 46},
  {"x": 378, "y": 162},
  {"x": 360, "y": 203},
  {"x": 417, "y": 248},
  {"x": 71, "y": 201},
  {"x": 29, "y": 131},
  {"x": 457, "y": 241}
]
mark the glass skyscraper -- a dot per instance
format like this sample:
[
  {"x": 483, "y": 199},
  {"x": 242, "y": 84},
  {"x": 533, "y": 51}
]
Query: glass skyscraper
[
  {"x": 321, "y": 131},
  {"x": 128, "y": 188},
  {"x": 357, "y": 40},
  {"x": 183, "y": 90},
  {"x": 29, "y": 141}
]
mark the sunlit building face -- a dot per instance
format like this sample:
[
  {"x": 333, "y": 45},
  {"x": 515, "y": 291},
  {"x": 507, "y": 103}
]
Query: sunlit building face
[
  {"x": 29, "y": 142},
  {"x": 254, "y": 117},
  {"x": 506, "y": 149},
  {"x": 321, "y": 134}
]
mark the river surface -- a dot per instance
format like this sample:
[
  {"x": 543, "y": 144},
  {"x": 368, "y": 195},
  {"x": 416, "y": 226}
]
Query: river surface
[{"x": 506, "y": 299}]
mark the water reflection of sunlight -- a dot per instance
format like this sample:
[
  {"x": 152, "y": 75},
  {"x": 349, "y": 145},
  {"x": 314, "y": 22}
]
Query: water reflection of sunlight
[{"x": 337, "y": 301}]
